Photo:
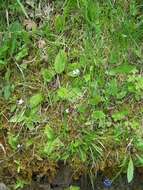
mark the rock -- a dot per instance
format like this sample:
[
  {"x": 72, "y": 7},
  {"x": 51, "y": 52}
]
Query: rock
[
  {"x": 63, "y": 177},
  {"x": 3, "y": 186},
  {"x": 58, "y": 188},
  {"x": 45, "y": 187}
]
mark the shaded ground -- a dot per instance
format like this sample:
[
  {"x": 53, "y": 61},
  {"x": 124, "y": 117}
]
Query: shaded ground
[{"x": 85, "y": 184}]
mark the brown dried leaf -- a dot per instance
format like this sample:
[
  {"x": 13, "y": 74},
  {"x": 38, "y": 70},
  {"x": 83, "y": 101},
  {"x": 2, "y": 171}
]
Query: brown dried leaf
[{"x": 29, "y": 24}]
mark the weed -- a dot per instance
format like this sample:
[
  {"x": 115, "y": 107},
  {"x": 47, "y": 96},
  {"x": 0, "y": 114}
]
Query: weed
[{"x": 72, "y": 84}]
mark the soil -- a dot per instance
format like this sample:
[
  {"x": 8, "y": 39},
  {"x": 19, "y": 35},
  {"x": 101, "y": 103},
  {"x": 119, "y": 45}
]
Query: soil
[
  {"x": 120, "y": 184},
  {"x": 63, "y": 180}
]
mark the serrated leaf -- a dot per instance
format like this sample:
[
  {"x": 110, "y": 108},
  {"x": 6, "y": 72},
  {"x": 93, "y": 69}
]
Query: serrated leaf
[
  {"x": 130, "y": 170},
  {"x": 36, "y": 100},
  {"x": 60, "y": 62}
]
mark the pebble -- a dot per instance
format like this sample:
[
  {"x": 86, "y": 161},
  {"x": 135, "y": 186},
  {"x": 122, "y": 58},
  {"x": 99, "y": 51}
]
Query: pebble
[{"x": 3, "y": 186}]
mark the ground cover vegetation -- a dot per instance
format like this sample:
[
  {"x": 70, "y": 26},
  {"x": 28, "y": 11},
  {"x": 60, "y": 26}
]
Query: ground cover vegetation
[{"x": 71, "y": 87}]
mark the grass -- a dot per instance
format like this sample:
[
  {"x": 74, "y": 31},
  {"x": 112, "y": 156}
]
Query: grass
[{"x": 71, "y": 86}]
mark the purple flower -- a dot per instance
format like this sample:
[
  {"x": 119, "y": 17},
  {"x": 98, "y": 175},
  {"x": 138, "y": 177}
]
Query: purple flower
[{"x": 107, "y": 183}]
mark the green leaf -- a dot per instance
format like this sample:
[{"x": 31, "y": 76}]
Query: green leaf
[
  {"x": 130, "y": 170},
  {"x": 63, "y": 93},
  {"x": 36, "y": 100},
  {"x": 7, "y": 91},
  {"x": 112, "y": 88},
  {"x": 82, "y": 155},
  {"x": 74, "y": 188},
  {"x": 70, "y": 94},
  {"x": 95, "y": 100},
  {"x": 2, "y": 62},
  {"x": 59, "y": 23},
  {"x": 98, "y": 115},
  {"x": 23, "y": 8},
  {"x": 23, "y": 53},
  {"x": 47, "y": 75},
  {"x": 120, "y": 115},
  {"x": 17, "y": 118},
  {"x": 122, "y": 69},
  {"x": 60, "y": 62},
  {"x": 139, "y": 160},
  {"x": 52, "y": 146},
  {"x": 16, "y": 27},
  {"x": 139, "y": 144},
  {"x": 49, "y": 132},
  {"x": 13, "y": 141}
]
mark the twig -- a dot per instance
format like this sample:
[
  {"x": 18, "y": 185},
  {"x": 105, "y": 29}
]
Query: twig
[{"x": 7, "y": 17}]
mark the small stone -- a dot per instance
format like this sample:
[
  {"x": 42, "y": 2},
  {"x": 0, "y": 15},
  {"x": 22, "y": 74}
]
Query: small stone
[
  {"x": 67, "y": 110},
  {"x": 30, "y": 25},
  {"x": 3, "y": 186},
  {"x": 21, "y": 101},
  {"x": 41, "y": 44}
]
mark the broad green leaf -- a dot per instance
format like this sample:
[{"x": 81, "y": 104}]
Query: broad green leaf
[
  {"x": 60, "y": 62},
  {"x": 47, "y": 74},
  {"x": 70, "y": 94},
  {"x": 36, "y": 100},
  {"x": 49, "y": 132},
  {"x": 13, "y": 141},
  {"x": 2, "y": 62},
  {"x": 119, "y": 115},
  {"x": 63, "y": 93},
  {"x": 74, "y": 94},
  {"x": 122, "y": 69},
  {"x": 23, "y": 53},
  {"x": 112, "y": 88},
  {"x": 139, "y": 160},
  {"x": 16, "y": 27},
  {"x": 95, "y": 100},
  {"x": 139, "y": 144},
  {"x": 130, "y": 170},
  {"x": 17, "y": 118},
  {"x": 3, "y": 50},
  {"x": 74, "y": 188},
  {"x": 7, "y": 91},
  {"x": 98, "y": 115}
]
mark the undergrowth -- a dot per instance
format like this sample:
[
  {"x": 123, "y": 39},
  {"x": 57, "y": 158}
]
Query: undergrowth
[{"x": 71, "y": 87}]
